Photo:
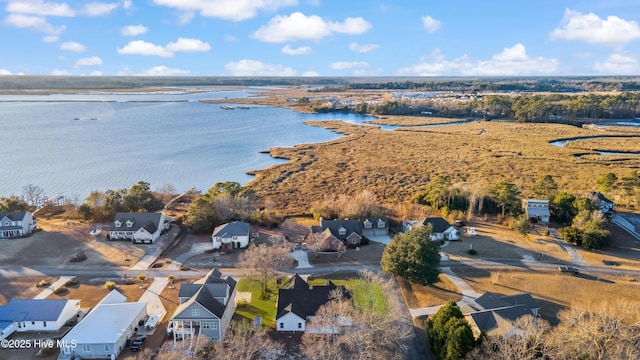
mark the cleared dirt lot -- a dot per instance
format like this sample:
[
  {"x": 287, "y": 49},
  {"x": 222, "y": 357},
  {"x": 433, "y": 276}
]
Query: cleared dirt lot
[{"x": 57, "y": 241}]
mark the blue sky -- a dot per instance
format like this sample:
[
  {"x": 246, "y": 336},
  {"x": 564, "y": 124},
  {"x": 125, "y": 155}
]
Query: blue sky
[{"x": 320, "y": 37}]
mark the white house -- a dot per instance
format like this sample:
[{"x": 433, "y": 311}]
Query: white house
[
  {"x": 441, "y": 229},
  {"x": 24, "y": 315},
  {"x": 144, "y": 228},
  {"x": 231, "y": 235},
  {"x": 103, "y": 332},
  {"x": 538, "y": 210},
  {"x": 605, "y": 205},
  {"x": 297, "y": 304},
  {"x": 16, "y": 224},
  {"x": 206, "y": 308}
]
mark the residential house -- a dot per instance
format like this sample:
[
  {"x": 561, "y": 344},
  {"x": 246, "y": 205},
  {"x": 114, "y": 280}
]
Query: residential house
[
  {"x": 441, "y": 229},
  {"x": 325, "y": 241},
  {"x": 495, "y": 315},
  {"x": 298, "y": 303},
  {"x": 374, "y": 227},
  {"x": 206, "y": 308},
  {"x": 599, "y": 200},
  {"x": 231, "y": 235},
  {"x": 143, "y": 228},
  {"x": 104, "y": 331},
  {"x": 537, "y": 210},
  {"x": 15, "y": 224},
  {"x": 23, "y": 315}
]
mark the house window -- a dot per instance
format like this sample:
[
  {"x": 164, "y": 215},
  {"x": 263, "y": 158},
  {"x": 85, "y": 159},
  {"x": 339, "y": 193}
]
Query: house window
[
  {"x": 86, "y": 348},
  {"x": 195, "y": 312},
  {"x": 44, "y": 324},
  {"x": 33, "y": 323},
  {"x": 299, "y": 325},
  {"x": 281, "y": 325},
  {"x": 106, "y": 348},
  {"x": 342, "y": 231},
  {"x": 367, "y": 224},
  {"x": 19, "y": 325},
  {"x": 381, "y": 224}
]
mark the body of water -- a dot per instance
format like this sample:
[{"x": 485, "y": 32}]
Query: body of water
[{"x": 74, "y": 144}]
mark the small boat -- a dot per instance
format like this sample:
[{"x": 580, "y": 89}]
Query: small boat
[
  {"x": 152, "y": 321},
  {"x": 95, "y": 231},
  {"x": 243, "y": 107},
  {"x": 226, "y": 107},
  {"x": 94, "y": 118},
  {"x": 76, "y": 118}
]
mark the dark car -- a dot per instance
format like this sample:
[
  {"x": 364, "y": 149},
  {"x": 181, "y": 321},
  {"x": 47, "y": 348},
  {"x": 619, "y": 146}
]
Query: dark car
[
  {"x": 568, "y": 269},
  {"x": 136, "y": 344}
]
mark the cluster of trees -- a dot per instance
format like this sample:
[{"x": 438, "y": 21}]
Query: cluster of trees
[
  {"x": 625, "y": 189},
  {"x": 223, "y": 202},
  {"x": 102, "y": 206},
  {"x": 13, "y": 203},
  {"x": 450, "y": 335}
]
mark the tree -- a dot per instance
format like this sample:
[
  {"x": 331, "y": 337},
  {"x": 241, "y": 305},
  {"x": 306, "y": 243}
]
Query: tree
[
  {"x": 12, "y": 203},
  {"x": 562, "y": 206},
  {"x": 413, "y": 256},
  {"x": 437, "y": 192},
  {"x": 505, "y": 195},
  {"x": 521, "y": 225},
  {"x": 32, "y": 193},
  {"x": 265, "y": 260},
  {"x": 545, "y": 187},
  {"x": 140, "y": 198},
  {"x": 85, "y": 211},
  {"x": 171, "y": 279},
  {"x": 243, "y": 340},
  {"x": 449, "y": 333},
  {"x": 606, "y": 182}
]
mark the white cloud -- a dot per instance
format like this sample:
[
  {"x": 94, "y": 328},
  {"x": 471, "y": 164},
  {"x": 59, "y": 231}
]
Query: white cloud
[
  {"x": 39, "y": 7},
  {"x": 134, "y": 30},
  {"x": 188, "y": 45},
  {"x": 430, "y": 24},
  {"x": 154, "y": 71},
  {"x": 99, "y": 9},
  {"x": 344, "y": 65},
  {"x": 58, "y": 72},
  {"x": 247, "y": 67},
  {"x": 302, "y": 50},
  {"x": 5, "y": 72},
  {"x": 299, "y": 26},
  {"x": 618, "y": 64},
  {"x": 511, "y": 61},
  {"x": 35, "y": 22},
  {"x": 310, "y": 73},
  {"x": 141, "y": 47},
  {"x": 186, "y": 17},
  {"x": 235, "y": 10},
  {"x": 73, "y": 47},
  {"x": 96, "y": 73},
  {"x": 90, "y": 61},
  {"x": 363, "y": 48},
  {"x": 127, "y": 4},
  {"x": 591, "y": 29}
]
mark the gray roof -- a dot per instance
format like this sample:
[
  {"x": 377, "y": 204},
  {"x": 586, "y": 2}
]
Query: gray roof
[
  {"x": 13, "y": 215},
  {"x": 302, "y": 300},
  {"x": 207, "y": 293},
  {"x": 598, "y": 197},
  {"x": 149, "y": 221},
  {"x": 351, "y": 226},
  {"x": 374, "y": 223},
  {"x": 32, "y": 310},
  {"x": 234, "y": 228},
  {"x": 507, "y": 308},
  {"x": 438, "y": 225}
]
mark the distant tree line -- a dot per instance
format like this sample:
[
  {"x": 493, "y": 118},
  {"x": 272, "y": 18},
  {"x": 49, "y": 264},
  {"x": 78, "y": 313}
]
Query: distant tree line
[{"x": 102, "y": 206}]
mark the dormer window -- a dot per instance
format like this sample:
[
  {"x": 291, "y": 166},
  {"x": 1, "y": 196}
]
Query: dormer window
[
  {"x": 367, "y": 224},
  {"x": 130, "y": 223},
  {"x": 342, "y": 231},
  {"x": 118, "y": 223},
  {"x": 381, "y": 224}
]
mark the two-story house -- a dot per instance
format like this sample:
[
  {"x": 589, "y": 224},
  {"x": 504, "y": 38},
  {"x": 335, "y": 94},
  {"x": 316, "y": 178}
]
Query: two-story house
[
  {"x": 15, "y": 224},
  {"x": 537, "y": 210},
  {"x": 233, "y": 235},
  {"x": 143, "y": 228},
  {"x": 349, "y": 232},
  {"x": 206, "y": 308}
]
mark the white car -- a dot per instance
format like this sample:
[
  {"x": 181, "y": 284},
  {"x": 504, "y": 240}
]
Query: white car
[{"x": 472, "y": 231}]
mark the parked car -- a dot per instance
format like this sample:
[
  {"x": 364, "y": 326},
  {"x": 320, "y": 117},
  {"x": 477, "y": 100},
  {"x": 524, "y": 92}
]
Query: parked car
[
  {"x": 136, "y": 344},
  {"x": 568, "y": 269}
]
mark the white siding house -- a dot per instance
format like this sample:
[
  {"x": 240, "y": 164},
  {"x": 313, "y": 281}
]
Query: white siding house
[
  {"x": 231, "y": 235},
  {"x": 26, "y": 315},
  {"x": 538, "y": 210},
  {"x": 16, "y": 224},
  {"x": 143, "y": 228},
  {"x": 103, "y": 332}
]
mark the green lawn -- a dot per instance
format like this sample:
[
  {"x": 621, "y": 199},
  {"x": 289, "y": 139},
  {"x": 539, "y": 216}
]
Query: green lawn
[{"x": 365, "y": 296}]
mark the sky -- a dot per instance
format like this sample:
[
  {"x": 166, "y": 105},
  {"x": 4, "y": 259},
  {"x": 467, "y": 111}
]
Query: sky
[{"x": 320, "y": 37}]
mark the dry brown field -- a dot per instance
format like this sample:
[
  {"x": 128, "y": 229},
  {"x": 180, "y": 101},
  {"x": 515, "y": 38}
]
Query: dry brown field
[{"x": 397, "y": 164}]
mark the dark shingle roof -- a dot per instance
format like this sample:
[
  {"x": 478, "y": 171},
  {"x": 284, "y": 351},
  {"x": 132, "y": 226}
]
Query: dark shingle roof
[
  {"x": 13, "y": 215},
  {"x": 335, "y": 225},
  {"x": 208, "y": 292},
  {"x": 148, "y": 221},
  {"x": 234, "y": 228},
  {"x": 303, "y": 301},
  {"x": 439, "y": 225}
]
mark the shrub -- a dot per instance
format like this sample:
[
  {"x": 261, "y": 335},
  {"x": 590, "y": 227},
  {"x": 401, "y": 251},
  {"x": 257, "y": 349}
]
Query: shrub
[
  {"x": 43, "y": 283},
  {"x": 472, "y": 252},
  {"x": 110, "y": 285},
  {"x": 184, "y": 268},
  {"x": 71, "y": 283},
  {"x": 61, "y": 290}
]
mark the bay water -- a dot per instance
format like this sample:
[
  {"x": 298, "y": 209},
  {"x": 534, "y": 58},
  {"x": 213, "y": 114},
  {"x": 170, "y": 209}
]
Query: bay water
[{"x": 71, "y": 145}]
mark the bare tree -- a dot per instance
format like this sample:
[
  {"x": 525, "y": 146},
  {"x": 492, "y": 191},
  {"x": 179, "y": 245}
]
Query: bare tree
[
  {"x": 265, "y": 260},
  {"x": 526, "y": 341},
  {"x": 243, "y": 341},
  {"x": 325, "y": 339},
  {"x": 32, "y": 193}
]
